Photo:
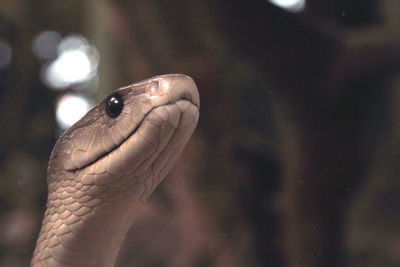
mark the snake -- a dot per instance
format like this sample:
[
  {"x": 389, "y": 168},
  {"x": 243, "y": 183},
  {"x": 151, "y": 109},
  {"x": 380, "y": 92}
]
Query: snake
[{"x": 104, "y": 167}]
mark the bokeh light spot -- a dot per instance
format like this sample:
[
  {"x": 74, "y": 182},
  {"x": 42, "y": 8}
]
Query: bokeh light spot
[
  {"x": 290, "y": 5},
  {"x": 5, "y": 54},
  {"x": 70, "y": 108},
  {"x": 72, "y": 66},
  {"x": 76, "y": 64},
  {"x": 45, "y": 45}
]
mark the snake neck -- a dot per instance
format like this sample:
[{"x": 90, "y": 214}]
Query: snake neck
[{"x": 80, "y": 230}]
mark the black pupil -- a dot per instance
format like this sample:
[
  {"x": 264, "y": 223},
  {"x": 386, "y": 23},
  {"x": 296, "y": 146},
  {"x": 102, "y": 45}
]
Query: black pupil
[{"x": 114, "y": 105}]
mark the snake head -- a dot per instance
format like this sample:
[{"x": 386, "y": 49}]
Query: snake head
[{"x": 156, "y": 119}]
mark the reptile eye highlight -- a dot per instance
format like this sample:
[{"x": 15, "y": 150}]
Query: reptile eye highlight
[{"x": 114, "y": 105}]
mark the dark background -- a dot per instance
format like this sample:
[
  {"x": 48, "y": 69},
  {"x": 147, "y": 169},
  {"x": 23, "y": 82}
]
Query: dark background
[{"x": 295, "y": 161}]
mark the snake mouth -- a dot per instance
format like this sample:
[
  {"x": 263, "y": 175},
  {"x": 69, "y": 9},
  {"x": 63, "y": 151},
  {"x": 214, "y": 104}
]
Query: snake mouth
[
  {"x": 140, "y": 150},
  {"x": 157, "y": 131}
]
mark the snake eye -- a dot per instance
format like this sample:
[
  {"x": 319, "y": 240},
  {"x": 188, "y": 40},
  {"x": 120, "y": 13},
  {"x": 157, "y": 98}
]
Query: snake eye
[{"x": 114, "y": 105}]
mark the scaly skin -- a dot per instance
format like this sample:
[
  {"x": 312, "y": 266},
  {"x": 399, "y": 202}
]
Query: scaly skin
[{"x": 102, "y": 170}]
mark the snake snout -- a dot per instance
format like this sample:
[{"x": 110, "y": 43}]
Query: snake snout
[{"x": 173, "y": 87}]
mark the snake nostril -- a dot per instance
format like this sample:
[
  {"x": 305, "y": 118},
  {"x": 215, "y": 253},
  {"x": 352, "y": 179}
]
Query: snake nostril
[{"x": 153, "y": 88}]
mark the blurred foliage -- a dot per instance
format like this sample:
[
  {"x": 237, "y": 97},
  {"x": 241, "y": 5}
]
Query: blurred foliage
[{"x": 295, "y": 159}]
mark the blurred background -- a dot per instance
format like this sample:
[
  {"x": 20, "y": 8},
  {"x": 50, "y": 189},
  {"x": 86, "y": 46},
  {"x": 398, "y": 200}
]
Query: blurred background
[{"x": 295, "y": 161}]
